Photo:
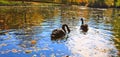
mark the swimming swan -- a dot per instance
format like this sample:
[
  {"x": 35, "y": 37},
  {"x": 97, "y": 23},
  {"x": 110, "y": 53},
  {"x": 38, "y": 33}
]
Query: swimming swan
[
  {"x": 60, "y": 33},
  {"x": 83, "y": 27}
]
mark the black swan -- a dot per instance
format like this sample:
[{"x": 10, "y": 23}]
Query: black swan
[
  {"x": 83, "y": 27},
  {"x": 60, "y": 33}
]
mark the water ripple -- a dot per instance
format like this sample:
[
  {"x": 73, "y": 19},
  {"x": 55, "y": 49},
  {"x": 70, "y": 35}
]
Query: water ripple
[{"x": 95, "y": 43}]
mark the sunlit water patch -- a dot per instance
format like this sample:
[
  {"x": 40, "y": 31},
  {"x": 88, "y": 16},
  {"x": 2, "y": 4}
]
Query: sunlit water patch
[{"x": 96, "y": 43}]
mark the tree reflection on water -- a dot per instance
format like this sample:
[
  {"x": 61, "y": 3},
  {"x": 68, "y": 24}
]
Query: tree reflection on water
[{"x": 28, "y": 29}]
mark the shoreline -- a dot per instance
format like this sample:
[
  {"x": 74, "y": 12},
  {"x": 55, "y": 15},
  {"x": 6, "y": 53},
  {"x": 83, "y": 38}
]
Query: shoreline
[{"x": 27, "y": 3}]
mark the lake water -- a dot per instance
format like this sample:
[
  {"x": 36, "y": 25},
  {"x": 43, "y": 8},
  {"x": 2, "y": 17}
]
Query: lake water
[{"x": 25, "y": 31}]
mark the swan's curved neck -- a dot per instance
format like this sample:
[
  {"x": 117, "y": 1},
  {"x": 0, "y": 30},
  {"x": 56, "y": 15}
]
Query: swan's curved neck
[
  {"x": 82, "y": 21},
  {"x": 63, "y": 27}
]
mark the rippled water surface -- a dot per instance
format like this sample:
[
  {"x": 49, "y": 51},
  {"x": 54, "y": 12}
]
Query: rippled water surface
[{"x": 25, "y": 32}]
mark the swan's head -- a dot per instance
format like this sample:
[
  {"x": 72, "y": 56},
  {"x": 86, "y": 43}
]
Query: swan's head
[{"x": 81, "y": 19}]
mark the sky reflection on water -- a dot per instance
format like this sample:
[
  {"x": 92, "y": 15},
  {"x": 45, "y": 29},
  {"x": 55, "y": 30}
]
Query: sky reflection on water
[{"x": 98, "y": 42}]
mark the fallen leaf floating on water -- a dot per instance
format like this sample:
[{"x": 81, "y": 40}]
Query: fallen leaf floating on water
[
  {"x": 14, "y": 50},
  {"x": 3, "y": 44},
  {"x": 28, "y": 51},
  {"x": 33, "y": 42},
  {"x": 27, "y": 35}
]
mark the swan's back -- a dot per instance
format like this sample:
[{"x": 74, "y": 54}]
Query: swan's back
[
  {"x": 84, "y": 27},
  {"x": 57, "y": 33}
]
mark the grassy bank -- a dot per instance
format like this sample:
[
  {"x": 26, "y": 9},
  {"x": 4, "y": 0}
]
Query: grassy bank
[
  {"x": 12, "y": 3},
  {"x": 20, "y": 3}
]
